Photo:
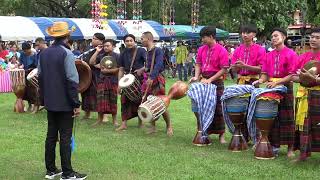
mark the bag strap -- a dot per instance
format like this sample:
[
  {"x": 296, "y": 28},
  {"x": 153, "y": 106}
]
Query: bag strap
[
  {"x": 153, "y": 60},
  {"x": 133, "y": 59}
]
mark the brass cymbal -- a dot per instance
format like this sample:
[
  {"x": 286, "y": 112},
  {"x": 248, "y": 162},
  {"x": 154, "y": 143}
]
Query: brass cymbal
[{"x": 108, "y": 62}]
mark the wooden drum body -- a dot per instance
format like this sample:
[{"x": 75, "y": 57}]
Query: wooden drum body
[
  {"x": 131, "y": 87},
  {"x": 265, "y": 112},
  {"x": 237, "y": 109},
  {"x": 33, "y": 78},
  {"x": 18, "y": 85},
  {"x": 85, "y": 75},
  {"x": 152, "y": 108}
]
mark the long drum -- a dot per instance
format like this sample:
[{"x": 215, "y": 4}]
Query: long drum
[
  {"x": 265, "y": 112},
  {"x": 18, "y": 85},
  {"x": 131, "y": 87},
  {"x": 236, "y": 109}
]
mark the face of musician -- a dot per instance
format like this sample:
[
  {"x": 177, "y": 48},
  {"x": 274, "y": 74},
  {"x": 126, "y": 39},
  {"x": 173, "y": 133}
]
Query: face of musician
[
  {"x": 108, "y": 47},
  {"x": 247, "y": 37},
  {"x": 28, "y": 52},
  {"x": 96, "y": 42},
  {"x": 208, "y": 40},
  {"x": 277, "y": 38},
  {"x": 144, "y": 40},
  {"x": 315, "y": 41},
  {"x": 129, "y": 42}
]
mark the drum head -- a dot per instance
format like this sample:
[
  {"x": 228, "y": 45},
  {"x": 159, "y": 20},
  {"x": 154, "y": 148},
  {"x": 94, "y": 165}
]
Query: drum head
[
  {"x": 126, "y": 80},
  {"x": 33, "y": 73},
  {"x": 144, "y": 113}
]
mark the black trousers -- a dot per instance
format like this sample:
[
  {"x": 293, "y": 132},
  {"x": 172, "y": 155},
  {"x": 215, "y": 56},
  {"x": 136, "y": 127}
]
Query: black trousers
[{"x": 61, "y": 122}]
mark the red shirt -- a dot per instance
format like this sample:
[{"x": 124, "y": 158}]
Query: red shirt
[{"x": 3, "y": 54}]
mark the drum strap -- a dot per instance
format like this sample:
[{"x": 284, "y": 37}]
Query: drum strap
[
  {"x": 133, "y": 59},
  {"x": 153, "y": 60}
]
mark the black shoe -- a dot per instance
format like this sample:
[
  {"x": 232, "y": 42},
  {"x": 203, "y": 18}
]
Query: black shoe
[
  {"x": 74, "y": 176},
  {"x": 52, "y": 175}
]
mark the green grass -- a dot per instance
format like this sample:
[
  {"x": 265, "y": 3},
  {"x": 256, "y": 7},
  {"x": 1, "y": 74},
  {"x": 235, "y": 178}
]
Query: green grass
[{"x": 103, "y": 153}]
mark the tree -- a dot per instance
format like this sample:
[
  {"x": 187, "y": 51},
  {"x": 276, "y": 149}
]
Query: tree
[{"x": 225, "y": 14}]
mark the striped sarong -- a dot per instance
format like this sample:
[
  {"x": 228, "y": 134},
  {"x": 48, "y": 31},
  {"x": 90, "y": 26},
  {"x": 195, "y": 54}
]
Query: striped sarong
[
  {"x": 252, "y": 106},
  {"x": 204, "y": 96},
  {"x": 229, "y": 92},
  {"x": 308, "y": 140},
  {"x": 283, "y": 129}
]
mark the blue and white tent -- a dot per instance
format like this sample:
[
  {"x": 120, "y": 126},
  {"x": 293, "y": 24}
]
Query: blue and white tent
[{"x": 17, "y": 28}]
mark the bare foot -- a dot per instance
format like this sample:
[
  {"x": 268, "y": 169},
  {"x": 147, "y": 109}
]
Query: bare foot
[
  {"x": 34, "y": 112},
  {"x": 97, "y": 123},
  {"x": 221, "y": 139},
  {"x": 297, "y": 160},
  {"x": 122, "y": 128},
  {"x": 85, "y": 117},
  {"x": 170, "y": 131},
  {"x": 152, "y": 130},
  {"x": 290, "y": 154},
  {"x": 115, "y": 124},
  {"x": 105, "y": 119},
  {"x": 140, "y": 125}
]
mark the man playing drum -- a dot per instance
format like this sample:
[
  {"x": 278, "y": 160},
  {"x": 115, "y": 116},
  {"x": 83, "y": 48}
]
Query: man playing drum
[
  {"x": 211, "y": 65},
  {"x": 107, "y": 82},
  {"x": 154, "y": 81},
  {"x": 307, "y": 118},
  {"x": 89, "y": 97},
  {"x": 247, "y": 61},
  {"x": 131, "y": 61},
  {"x": 278, "y": 70},
  {"x": 28, "y": 62}
]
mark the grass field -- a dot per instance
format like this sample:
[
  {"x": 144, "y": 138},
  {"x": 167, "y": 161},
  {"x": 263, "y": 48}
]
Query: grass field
[{"x": 103, "y": 153}]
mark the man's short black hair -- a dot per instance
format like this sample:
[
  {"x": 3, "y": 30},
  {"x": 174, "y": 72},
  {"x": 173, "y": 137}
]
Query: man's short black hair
[
  {"x": 315, "y": 30},
  {"x": 208, "y": 31},
  {"x": 283, "y": 31},
  {"x": 99, "y": 36},
  {"x": 129, "y": 35},
  {"x": 40, "y": 40},
  {"x": 26, "y": 46},
  {"x": 248, "y": 28},
  {"x": 111, "y": 41}
]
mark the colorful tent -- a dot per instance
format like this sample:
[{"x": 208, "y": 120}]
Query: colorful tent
[
  {"x": 187, "y": 32},
  {"x": 17, "y": 28}
]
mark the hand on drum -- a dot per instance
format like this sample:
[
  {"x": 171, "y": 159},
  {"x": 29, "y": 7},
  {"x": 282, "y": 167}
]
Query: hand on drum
[
  {"x": 76, "y": 112},
  {"x": 193, "y": 79},
  {"x": 139, "y": 71},
  {"x": 257, "y": 82},
  {"x": 272, "y": 84},
  {"x": 205, "y": 81}
]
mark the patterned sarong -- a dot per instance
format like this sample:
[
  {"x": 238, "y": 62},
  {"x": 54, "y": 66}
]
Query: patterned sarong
[
  {"x": 252, "y": 106},
  {"x": 89, "y": 97},
  {"x": 107, "y": 96},
  {"x": 308, "y": 140},
  {"x": 283, "y": 130},
  {"x": 158, "y": 85},
  {"x": 204, "y": 96},
  {"x": 229, "y": 92}
]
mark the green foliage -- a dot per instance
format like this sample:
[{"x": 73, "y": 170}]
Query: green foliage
[{"x": 225, "y": 14}]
